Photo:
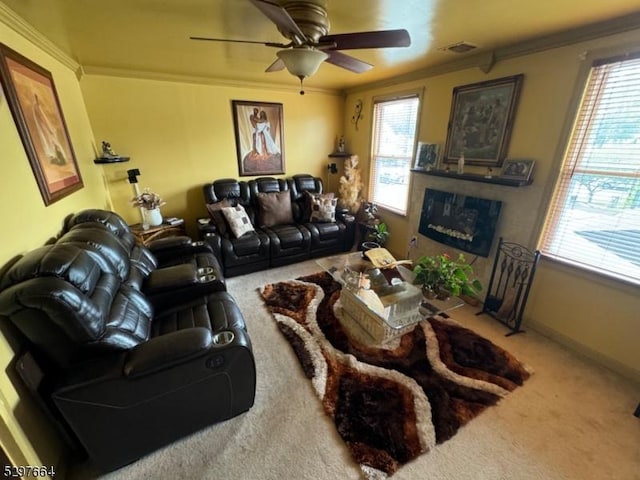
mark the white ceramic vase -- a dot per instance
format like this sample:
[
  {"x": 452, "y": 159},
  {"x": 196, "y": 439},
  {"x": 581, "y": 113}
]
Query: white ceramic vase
[{"x": 153, "y": 217}]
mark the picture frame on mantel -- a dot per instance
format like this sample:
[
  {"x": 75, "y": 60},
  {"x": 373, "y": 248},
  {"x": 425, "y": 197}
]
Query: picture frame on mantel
[
  {"x": 426, "y": 156},
  {"x": 517, "y": 169},
  {"x": 481, "y": 121},
  {"x": 259, "y": 132},
  {"x": 33, "y": 101}
]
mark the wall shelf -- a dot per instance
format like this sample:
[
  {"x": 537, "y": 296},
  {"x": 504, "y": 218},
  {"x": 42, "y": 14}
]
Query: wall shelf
[
  {"x": 111, "y": 160},
  {"x": 473, "y": 177},
  {"x": 339, "y": 155}
]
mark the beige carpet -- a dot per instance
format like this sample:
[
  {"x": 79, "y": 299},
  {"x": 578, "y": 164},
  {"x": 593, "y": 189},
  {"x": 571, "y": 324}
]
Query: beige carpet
[{"x": 573, "y": 419}]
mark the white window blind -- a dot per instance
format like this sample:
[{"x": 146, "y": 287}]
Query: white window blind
[
  {"x": 394, "y": 132},
  {"x": 594, "y": 219}
]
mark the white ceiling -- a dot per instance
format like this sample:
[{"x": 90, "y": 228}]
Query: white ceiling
[{"x": 153, "y": 35}]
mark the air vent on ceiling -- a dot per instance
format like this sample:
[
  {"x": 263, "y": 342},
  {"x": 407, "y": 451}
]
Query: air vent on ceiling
[{"x": 460, "y": 47}]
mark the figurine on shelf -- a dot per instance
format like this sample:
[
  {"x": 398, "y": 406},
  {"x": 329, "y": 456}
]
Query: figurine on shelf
[
  {"x": 107, "y": 151},
  {"x": 109, "y": 156},
  {"x": 341, "y": 145}
]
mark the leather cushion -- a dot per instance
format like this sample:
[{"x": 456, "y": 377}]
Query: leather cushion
[
  {"x": 328, "y": 231},
  {"x": 274, "y": 209},
  {"x": 249, "y": 244},
  {"x": 238, "y": 220},
  {"x": 289, "y": 236},
  {"x": 215, "y": 212}
]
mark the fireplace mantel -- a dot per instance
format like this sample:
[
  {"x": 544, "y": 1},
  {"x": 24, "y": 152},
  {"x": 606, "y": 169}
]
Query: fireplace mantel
[{"x": 473, "y": 177}]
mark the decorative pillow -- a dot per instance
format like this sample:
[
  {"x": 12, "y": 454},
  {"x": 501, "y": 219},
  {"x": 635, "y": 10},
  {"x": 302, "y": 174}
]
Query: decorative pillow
[
  {"x": 238, "y": 219},
  {"x": 215, "y": 212},
  {"x": 275, "y": 209},
  {"x": 322, "y": 206}
]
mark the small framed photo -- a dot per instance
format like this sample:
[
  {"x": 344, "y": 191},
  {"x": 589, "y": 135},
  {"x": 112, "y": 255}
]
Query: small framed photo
[
  {"x": 426, "y": 156},
  {"x": 517, "y": 169}
]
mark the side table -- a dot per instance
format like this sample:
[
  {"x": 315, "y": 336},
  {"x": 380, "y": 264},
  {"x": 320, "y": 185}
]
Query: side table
[{"x": 153, "y": 233}]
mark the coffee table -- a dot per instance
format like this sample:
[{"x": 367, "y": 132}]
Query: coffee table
[
  {"x": 403, "y": 303},
  {"x": 398, "y": 310}
]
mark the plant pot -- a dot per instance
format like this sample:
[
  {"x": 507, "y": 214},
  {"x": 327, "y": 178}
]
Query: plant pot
[
  {"x": 443, "y": 294},
  {"x": 428, "y": 292},
  {"x": 153, "y": 217},
  {"x": 366, "y": 246}
]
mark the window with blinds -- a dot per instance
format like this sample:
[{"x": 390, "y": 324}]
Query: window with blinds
[
  {"x": 594, "y": 219},
  {"x": 394, "y": 134}
]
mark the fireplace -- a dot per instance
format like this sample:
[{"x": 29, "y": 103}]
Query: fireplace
[{"x": 460, "y": 221}]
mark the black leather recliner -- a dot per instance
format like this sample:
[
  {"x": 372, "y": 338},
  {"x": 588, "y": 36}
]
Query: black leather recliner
[
  {"x": 289, "y": 243},
  {"x": 126, "y": 375},
  {"x": 164, "y": 252},
  {"x": 327, "y": 238},
  {"x": 246, "y": 254}
]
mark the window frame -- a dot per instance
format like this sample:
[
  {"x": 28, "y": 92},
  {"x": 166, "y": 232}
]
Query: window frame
[
  {"x": 589, "y": 61},
  {"x": 418, "y": 94}
]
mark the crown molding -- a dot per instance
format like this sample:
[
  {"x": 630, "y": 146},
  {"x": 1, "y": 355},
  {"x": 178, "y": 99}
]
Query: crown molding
[
  {"x": 220, "y": 82},
  {"x": 485, "y": 60},
  {"x": 19, "y": 25}
]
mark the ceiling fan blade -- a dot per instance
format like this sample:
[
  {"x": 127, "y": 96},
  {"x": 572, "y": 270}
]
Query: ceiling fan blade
[
  {"x": 268, "y": 44},
  {"x": 347, "y": 62},
  {"x": 275, "y": 66},
  {"x": 376, "y": 39},
  {"x": 282, "y": 19}
]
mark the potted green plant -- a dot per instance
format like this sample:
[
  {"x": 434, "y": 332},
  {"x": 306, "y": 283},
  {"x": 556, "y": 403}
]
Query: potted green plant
[
  {"x": 441, "y": 276},
  {"x": 378, "y": 233}
]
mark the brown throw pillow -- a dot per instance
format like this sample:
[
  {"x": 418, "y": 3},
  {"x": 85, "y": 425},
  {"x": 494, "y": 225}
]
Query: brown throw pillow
[
  {"x": 215, "y": 212},
  {"x": 322, "y": 207},
  {"x": 274, "y": 209}
]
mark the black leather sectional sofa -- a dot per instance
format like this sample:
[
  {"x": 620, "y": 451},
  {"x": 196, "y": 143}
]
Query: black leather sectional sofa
[
  {"x": 128, "y": 348},
  {"x": 272, "y": 244}
]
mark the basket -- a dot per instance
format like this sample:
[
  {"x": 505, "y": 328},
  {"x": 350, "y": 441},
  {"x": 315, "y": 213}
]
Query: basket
[{"x": 403, "y": 315}]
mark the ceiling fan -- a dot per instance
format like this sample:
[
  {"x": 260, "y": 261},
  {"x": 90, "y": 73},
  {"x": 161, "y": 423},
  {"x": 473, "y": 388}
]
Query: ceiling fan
[{"x": 306, "y": 25}]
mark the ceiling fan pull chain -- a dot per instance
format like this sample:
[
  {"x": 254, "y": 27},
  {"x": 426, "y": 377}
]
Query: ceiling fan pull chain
[{"x": 301, "y": 86}]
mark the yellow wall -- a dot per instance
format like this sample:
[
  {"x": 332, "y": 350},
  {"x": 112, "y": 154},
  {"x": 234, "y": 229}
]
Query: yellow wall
[
  {"x": 180, "y": 136},
  {"x": 595, "y": 316},
  {"x": 24, "y": 435}
]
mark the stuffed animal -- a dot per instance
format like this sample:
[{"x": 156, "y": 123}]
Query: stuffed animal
[{"x": 350, "y": 186}]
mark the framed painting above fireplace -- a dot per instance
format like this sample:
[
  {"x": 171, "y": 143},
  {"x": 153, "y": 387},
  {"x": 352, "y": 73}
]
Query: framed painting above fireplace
[{"x": 481, "y": 120}]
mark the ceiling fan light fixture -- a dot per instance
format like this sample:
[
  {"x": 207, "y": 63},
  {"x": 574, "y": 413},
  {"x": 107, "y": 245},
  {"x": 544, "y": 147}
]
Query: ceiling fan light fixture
[{"x": 302, "y": 62}]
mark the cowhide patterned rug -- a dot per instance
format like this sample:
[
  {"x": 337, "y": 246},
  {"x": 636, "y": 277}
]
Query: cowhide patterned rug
[{"x": 394, "y": 403}]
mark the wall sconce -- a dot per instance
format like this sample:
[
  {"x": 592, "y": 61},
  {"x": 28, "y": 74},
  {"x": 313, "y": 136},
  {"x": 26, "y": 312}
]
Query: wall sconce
[{"x": 357, "y": 114}]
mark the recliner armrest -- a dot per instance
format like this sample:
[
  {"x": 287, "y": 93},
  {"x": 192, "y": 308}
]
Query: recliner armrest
[
  {"x": 165, "y": 249},
  {"x": 169, "y": 242},
  {"x": 171, "y": 278},
  {"x": 161, "y": 353}
]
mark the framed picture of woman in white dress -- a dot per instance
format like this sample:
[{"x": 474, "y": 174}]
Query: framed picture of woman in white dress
[
  {"x": 34, "y": 104},
  {"x": 259, "y": 137}
]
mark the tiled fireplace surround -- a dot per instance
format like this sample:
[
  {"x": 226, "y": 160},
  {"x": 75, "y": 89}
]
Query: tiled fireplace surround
[{"x": 518, "y": 220}]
